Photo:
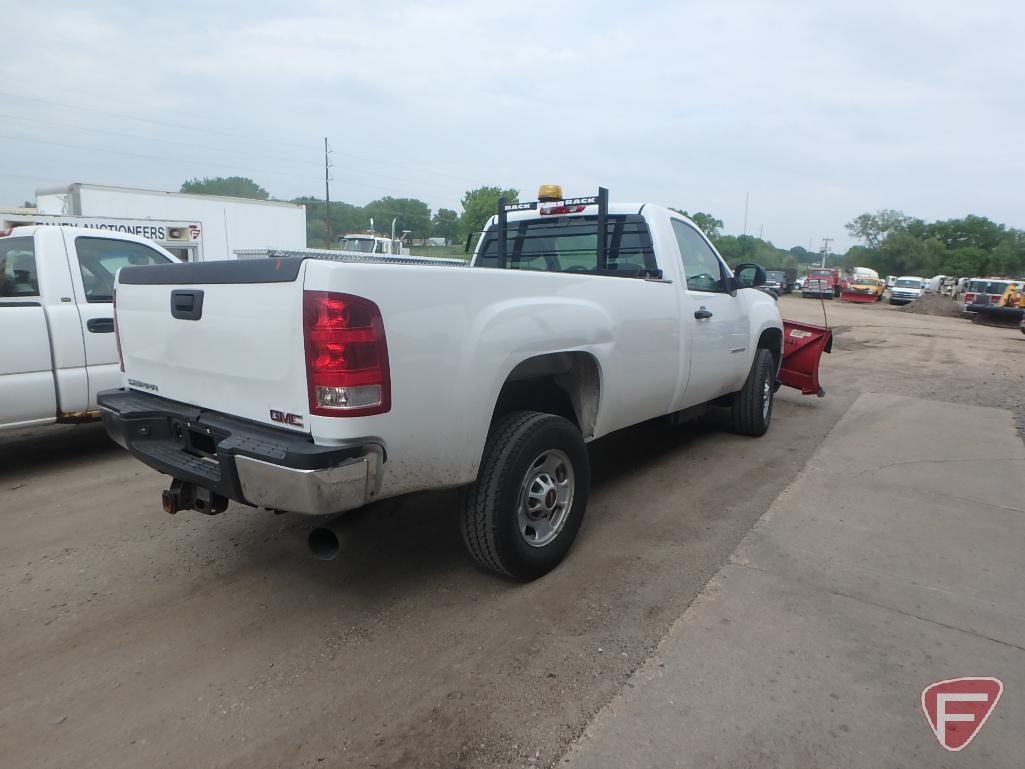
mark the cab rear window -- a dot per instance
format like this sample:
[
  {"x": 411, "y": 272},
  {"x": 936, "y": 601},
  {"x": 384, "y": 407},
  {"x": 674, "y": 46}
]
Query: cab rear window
[
  {"x": 570, "y": 244},
  {"x": 18, "y": 267}
]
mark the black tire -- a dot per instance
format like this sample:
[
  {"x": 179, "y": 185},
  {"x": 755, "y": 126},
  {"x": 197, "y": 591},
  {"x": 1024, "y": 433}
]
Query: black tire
[
  {"x": 751, "y": 414},
  {"x": 489, "y": 518}
]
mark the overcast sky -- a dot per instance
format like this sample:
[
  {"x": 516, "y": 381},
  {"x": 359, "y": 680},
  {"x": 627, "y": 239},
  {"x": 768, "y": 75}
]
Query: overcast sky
[{"x": 819, "y": 111}]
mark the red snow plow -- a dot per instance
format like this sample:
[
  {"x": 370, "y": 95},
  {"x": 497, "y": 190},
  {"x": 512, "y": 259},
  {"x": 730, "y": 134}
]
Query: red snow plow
[{"x": 803, "y": 345}]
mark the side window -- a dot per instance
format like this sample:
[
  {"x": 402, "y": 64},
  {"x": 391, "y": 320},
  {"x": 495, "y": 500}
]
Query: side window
[
  {"x": 700, "y": 264},
  {"x": 18, "y": 267},
  {"x": 99, "y": 259}
]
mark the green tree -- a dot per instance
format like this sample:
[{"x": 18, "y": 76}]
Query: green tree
[
  {"x": 902, "y": 254},
  {"x": 1008, "y": 257},
  {"x": 445, "y": 224},
  {"x": 345, "y": 218},
  {"x": 873, "y": 229},
  {"x": 229, "y": 186},
  {"x": 410, "y": 214},
  {"x": 972, "y": 230},
  {"x": 481, "y": 204},
  {"x": 967, "y": 261}
]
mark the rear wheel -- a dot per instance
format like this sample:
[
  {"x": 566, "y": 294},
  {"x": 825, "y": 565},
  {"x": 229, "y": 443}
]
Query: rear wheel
[
  {"x": 521, "y": 515},
  {"x": 752, "y": 406}
]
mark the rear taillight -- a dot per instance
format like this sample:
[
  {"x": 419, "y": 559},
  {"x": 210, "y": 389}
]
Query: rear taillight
[
  {"x": 969, "y": 298},
  {"x": 117, "y": 336},
  {"x": 346, "y": 355}
]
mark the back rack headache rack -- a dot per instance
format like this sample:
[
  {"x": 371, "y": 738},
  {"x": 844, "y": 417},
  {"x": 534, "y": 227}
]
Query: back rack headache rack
[{"x": 560, "y": 206}]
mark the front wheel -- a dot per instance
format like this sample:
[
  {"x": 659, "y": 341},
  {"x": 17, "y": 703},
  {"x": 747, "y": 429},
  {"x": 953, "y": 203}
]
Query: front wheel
[
  {"x": 521, "y": 515},
  {"x": 752, "y": 406}
]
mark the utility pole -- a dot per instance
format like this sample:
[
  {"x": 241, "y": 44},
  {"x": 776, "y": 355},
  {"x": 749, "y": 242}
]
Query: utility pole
[
  {"x": 825, "y": 249},
  {"x": 747, "y": 196},
  {"x": 327, "y": 193}
]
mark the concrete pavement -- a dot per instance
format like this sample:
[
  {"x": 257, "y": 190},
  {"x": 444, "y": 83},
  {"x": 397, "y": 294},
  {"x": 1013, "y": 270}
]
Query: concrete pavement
[{"x": 894, "y": 560}]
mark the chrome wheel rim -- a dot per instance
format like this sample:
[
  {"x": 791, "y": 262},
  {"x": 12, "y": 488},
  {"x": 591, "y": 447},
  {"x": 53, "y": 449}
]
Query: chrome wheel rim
[
  {"x": 766, "y": 398},
  {"x": 546, "y": 497}
]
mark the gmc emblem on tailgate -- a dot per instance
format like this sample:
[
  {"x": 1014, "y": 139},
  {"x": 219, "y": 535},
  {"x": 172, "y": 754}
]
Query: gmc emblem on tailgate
[{"x": 294, "y": 420}]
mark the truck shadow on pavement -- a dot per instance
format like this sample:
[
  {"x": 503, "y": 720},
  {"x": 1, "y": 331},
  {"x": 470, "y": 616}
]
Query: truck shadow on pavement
[
  {"x": 52, "y": 447},
  {"x": 415, "y": 539}
]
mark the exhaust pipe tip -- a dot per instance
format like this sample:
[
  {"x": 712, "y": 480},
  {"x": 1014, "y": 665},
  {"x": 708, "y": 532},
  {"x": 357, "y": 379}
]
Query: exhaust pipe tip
[{"x": 324, "y": 544}]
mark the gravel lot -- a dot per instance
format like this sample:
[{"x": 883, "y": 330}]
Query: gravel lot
[{"x": 131, "y": 638}]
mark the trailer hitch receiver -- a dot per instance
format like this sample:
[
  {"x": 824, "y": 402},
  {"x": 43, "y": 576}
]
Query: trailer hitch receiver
[{"x": 188, "y": 496}]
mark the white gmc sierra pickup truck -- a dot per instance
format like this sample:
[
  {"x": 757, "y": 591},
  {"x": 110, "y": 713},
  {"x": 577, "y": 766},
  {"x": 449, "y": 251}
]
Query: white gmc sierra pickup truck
[
  {"x": 313, "y": 385},
  {"x": 57, "y": 320}
]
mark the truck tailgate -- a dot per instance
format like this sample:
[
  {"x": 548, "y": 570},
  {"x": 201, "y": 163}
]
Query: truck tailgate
[{"x": 226, "y": 336}]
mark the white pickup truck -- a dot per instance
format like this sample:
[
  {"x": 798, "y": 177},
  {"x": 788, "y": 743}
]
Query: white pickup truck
[
  {"x": 57, "y": 319},
  {"x": 315, "y": 386}
]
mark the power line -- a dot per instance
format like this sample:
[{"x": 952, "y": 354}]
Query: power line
[
  {"x": 153, "y": 157},
  {"x": 377, "y": 161},
  {"x": 150, "y": 121},
  {"x": 825, "y": 249},
  {"x": 237, "y": 168},
  {"x": 149, "y": 138},
  {"x": 183, "y": 126}
]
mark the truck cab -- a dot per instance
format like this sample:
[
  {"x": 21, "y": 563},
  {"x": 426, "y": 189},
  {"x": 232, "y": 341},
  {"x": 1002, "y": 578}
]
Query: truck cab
[
  {"x": 57, "y": 319},
  {"x": 822, "y": 282},
  {"x": 364, "y": 243},
  {"x": 984, "y": 292}
]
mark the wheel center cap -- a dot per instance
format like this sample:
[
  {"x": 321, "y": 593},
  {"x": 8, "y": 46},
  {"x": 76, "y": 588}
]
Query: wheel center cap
[{"x": 550, "y": 498}]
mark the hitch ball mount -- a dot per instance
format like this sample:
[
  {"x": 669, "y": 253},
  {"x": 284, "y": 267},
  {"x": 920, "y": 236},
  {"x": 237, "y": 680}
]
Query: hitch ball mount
[{"x": 187, "y": 496}]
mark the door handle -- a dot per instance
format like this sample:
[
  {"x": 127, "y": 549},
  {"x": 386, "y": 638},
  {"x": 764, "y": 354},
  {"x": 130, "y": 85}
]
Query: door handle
[
  {"x": 100, "y": 325},
  {"x": 187, "y": 305},
  {"x": 702, "y": 314}
]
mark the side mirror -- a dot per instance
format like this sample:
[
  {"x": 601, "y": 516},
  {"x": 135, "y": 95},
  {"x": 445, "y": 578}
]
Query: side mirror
[{"x": 749, "y": 275}]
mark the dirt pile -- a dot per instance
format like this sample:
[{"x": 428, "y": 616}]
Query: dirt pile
[{"x": 934, "y": 304}]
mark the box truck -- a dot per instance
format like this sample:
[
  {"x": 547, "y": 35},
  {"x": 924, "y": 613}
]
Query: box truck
[{"x": 192, "y": 227}]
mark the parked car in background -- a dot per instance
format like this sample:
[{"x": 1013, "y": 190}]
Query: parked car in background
[
  {"x": 786, "y": 278},
  {"x": 862, "y": 288},
  {"x": 57, "y": 319},
  {"x": 906, "y": 288},
  {"x": 984, "y": 292},
  {"x": 822, "y": 282}
]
